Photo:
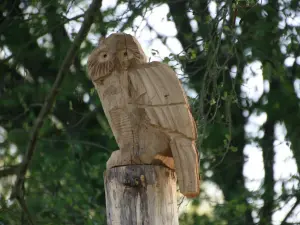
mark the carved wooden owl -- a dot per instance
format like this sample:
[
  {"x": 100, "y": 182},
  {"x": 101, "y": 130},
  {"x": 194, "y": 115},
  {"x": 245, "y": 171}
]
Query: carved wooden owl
[{"x": 146, "y": 108}]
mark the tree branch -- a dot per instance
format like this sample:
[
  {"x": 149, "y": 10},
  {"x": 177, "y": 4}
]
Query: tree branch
[
  {"x": 24, "y": 207},
  {"x": 88, "y": 20},
  {"x": 10, "y": 170},
  {"x": 59, "y": 35},
  {"x": 178, "y": 11},
  {"x": 268, "y": 158}
]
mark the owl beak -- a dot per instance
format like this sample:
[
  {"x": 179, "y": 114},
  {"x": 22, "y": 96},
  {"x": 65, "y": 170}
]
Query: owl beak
[
  {"x": 118, "y": 62},
  {"x": 122, "y": 58}
]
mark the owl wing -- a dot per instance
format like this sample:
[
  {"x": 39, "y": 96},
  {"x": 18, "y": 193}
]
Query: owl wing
[{"x": 155, "y": 87}]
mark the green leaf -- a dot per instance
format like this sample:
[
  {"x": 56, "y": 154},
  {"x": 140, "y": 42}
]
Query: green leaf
[
  {"x": 228, "y": 137},
  {"x": 233, "y": 148},
  {"x": 166, "y": 60},
  {"x": 212, "y": 101}
]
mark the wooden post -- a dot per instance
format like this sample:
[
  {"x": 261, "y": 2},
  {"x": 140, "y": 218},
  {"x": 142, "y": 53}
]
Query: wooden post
[
  {"x": 147, "y": 110},
  {"x": 141, "y": 195}
]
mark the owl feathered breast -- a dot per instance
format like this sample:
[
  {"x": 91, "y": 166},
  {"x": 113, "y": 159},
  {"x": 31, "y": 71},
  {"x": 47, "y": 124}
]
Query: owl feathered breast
[{"x": 156, "y": 89}]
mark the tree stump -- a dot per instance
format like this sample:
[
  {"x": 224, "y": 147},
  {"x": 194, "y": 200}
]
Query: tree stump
[{"x": 141, "y": 195}]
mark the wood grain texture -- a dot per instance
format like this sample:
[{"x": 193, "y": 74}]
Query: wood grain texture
[
  {"x": 147, "y": 110},
  {"x": 141, "y": 195}
]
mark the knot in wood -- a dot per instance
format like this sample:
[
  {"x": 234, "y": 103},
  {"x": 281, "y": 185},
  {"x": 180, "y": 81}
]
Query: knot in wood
[{"x": 134, "y": 181}]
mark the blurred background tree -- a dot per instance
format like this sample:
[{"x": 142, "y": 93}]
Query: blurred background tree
[{"x": 239, "y": 62}]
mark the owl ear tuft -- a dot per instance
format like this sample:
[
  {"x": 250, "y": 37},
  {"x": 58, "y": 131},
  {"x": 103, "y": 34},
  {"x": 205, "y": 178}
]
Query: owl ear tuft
[{"x": 101, "y": 41}]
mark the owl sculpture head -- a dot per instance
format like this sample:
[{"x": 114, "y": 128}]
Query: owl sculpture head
[{"x": 119, "y": 52}]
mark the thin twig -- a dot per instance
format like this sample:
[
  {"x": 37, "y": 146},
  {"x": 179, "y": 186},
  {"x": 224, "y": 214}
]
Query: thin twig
[
  {"x": 48, "y": 104},
  {"x": 78, "y": 142}
]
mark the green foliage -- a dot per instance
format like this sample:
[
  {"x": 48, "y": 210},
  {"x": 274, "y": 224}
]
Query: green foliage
[{"x": 64, "y": 183}]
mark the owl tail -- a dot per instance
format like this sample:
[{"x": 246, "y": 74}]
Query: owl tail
[{"x": 186, "y": 166}]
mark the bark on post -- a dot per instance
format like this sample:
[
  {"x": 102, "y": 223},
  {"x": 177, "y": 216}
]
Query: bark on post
[{"x": 141, "y": 195}]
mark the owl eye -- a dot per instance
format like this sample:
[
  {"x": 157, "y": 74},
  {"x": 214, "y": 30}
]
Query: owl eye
[
  {"x": 125, "y": 53},
  {"x": 104, "y": 55}
]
